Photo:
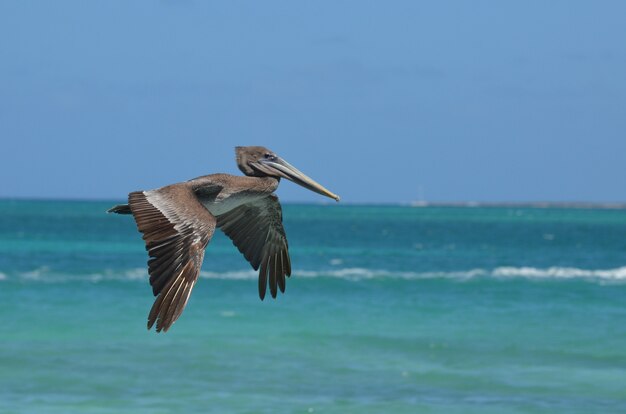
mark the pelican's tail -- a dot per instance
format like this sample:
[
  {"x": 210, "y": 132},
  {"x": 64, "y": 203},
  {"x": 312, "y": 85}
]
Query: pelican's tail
[{"x": 120, "y": 209}]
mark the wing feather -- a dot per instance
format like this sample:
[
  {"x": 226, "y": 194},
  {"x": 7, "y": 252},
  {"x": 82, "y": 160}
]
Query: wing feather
[
  {"x": 263, "y": 280},
  {"x": 273, "y": 270},
  {"x": 256, "y": 229},
  {"x": 176, "y": 229},
  {"x": 281, "y": 274}
]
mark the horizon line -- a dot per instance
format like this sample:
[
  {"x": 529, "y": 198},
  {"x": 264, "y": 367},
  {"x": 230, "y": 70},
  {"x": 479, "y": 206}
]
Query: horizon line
[{"x": 608, "y": 205}]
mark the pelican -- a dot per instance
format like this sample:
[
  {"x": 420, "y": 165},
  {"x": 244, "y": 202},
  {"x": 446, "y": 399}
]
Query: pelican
[{"x": 177, "y": 222}]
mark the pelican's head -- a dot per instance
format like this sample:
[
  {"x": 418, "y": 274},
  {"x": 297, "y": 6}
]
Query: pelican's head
[{"x": 262, "y": 162}]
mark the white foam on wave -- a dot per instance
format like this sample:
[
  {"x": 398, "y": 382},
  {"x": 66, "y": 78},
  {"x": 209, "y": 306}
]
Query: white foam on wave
[
  {"x": 556, "y": 272},
  {"x": 353, "y": 273},
  {"x": 46, "y": 275},
  {"x": 357, "y": 273},
  {"x": 234, "y": 275},
  {"x": 35, "y": 274}
]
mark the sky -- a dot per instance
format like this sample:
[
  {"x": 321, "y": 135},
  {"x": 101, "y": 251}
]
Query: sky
[{"x": 381, "y": 102}]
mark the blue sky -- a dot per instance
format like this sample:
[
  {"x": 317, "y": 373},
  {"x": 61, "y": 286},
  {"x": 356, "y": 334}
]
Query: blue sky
[{"x": 379, "y": 101}]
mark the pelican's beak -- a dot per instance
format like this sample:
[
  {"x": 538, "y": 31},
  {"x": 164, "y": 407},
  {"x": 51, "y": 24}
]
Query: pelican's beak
[{"x": 282, "y": 168}]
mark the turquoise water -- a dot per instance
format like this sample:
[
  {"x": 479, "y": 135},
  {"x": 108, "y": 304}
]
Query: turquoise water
[{"x": 389, "y": 309}]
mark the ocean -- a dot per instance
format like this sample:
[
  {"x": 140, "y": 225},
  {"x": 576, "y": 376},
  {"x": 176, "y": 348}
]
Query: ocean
[{"x": 389, "y": 309}]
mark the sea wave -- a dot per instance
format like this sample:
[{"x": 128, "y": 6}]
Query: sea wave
[
  {"x": 560, "y": 273},
  {"x": 504, "y": 272},
  {"x": 353, "y": 273},
  {"x": 46, "y": 275}
]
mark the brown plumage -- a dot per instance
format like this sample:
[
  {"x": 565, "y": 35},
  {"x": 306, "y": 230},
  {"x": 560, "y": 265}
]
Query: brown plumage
[{"x": 178, "y": 221}]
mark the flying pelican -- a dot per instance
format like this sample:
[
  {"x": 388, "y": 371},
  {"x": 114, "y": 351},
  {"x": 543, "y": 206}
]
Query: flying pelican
[{"x": 178, "y": 220}]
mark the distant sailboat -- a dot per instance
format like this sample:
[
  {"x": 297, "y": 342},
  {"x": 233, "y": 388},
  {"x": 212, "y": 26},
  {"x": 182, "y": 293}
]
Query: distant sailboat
[{"x": 421, "y": 201}]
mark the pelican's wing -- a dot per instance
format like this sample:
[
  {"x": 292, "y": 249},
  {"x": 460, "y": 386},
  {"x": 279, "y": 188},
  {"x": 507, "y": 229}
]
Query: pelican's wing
[
  {"x": 176, "y": 229},
  {"x": 256, "y": 228}
]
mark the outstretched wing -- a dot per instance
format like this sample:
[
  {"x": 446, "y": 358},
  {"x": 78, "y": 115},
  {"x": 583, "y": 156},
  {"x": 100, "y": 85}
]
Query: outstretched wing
[
  {"x": 176, "y": 229},
  {"x": 256, "y": 228}
]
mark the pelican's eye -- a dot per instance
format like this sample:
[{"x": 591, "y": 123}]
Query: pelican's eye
[{"x": 269, "y": 156}]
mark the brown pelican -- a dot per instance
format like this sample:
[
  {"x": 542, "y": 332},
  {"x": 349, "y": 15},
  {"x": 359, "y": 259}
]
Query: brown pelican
[{"x": 178, "y": 220}]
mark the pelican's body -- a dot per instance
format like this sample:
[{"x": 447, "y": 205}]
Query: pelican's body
[
  {"x": 220, "y": 193},
  {"x": 177, "y": 222}
]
